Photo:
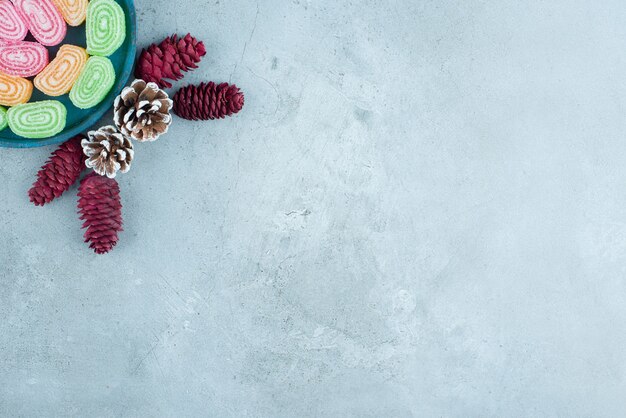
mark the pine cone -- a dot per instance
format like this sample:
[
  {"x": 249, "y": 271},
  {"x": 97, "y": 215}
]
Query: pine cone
[
  {"x": 100, "y": 208},
  {"x": 59, "y": 173},
  {"x": 168, "y": 59},
  {"x": 108, "y": 151},
  {"x": 208, "y": 101},
  {"x": 142, "y": 111}
]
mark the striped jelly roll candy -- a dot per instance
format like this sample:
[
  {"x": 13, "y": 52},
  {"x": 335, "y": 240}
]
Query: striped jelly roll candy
[
  {"x": 14, "y": 90},
  {"x": 12, "y": 26},
  {"x": 4, "y": 121},
  {"x": 22, "y": 59},
  {"x": 62, "y": 72},
  {"x": 73, "y": 11},
  {"x": 106, "y": 27},
  {"x": 94, "y": 83},
  {"x": 37, "y": 119},
  {"x": 43, "y": 19}
]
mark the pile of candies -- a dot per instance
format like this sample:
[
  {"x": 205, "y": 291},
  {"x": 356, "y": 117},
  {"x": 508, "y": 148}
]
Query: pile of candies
[{"x": 86, "y": 74}]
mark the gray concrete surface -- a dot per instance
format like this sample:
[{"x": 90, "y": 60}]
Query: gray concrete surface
[{"x": 421, "y": 211}]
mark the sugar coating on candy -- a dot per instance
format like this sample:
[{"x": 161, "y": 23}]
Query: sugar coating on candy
[
  {"x": 12, "y": 26},
  {"x": 4, "y": 121},
  {"x": 14, "y": 90},
  {"x": 93, "y": 84},
  {"x": 106, "y": 27},
  {"x": 37, "y": 119},
  {"x": 62, "y": 72},
  {"x": 74, "y": 11},
  {"x": 22, "y": 59},
  {"x": 44, "y": 20}
]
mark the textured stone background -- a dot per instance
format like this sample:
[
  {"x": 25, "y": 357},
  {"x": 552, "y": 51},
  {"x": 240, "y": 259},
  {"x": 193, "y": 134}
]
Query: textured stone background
[{"x": 420, "y": 212}]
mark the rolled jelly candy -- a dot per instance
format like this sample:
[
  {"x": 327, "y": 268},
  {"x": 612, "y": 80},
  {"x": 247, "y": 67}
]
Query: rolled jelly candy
[
  {"x": 106, "y": 27},
  {"x": 93, "y": 84},
  {"x": 73, "y": 11},
  {"x": 14, "y": 90},
  {"x": 43, "y": 19},
  {"x": 4, "y": 122},
  {"x": 63, "y": 71},
  {"x": 37, "y": 119},
  {"x": 12, "y": 26},
  {"x": 22, "y": 59}
]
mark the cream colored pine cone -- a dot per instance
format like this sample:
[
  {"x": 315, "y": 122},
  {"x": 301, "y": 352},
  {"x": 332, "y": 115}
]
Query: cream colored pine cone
[
  {"x": 142, "y": 111},
  {"x": 108, "y": 151}
]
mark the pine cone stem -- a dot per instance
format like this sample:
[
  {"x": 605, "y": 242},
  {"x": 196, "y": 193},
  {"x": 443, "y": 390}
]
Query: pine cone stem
[
  {"x": 208, "y": 101},
  {"x": 100, "y": 208},
  {"x": 59, "y": 173}
]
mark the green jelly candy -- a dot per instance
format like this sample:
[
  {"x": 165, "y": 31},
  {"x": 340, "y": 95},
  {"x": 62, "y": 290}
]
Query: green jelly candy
[
  {"x": 94, "y": 82},
  {"x": 3, "y": 118},
  {"x": 37, "y": 119},
  {"x": 106, "y": 27}
]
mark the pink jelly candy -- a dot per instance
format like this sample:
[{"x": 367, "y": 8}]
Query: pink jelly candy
[
  {"x": 22, "y": 59},
  {"x": 44, "y": 20},
  {"x": 12, "y": 26}
]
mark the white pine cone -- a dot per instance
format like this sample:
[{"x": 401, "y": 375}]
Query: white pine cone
[
  {"x": 108, "y": 151},
  {"x": 142, "y": 111}
]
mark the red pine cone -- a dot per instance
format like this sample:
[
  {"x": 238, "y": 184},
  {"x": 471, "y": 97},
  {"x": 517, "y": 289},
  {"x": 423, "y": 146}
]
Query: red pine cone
[
  {"x": 60, "y": 171},
  {"x": 208, "y": 101},
  {"x": 100, "y": 208},
  {"x": 168, "y": 59}
]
